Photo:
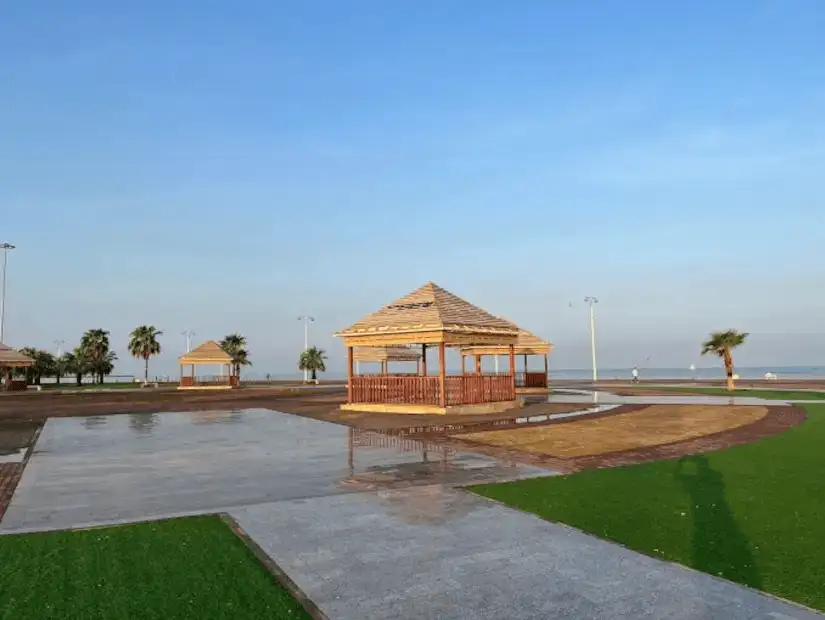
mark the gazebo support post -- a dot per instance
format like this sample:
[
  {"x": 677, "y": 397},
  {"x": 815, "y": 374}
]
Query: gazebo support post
[
  {"x": 423, "y": 360},
  {"x": 442, "y": 374},
  {"x": 478, "y": 364},
  {"x": 463, "y": 365},
  {"x": 349, "y": 374},
  {"x": 513, "y": 367},
  {"x": 525, "y": 363},
  {"x": 546, "y": 378}
]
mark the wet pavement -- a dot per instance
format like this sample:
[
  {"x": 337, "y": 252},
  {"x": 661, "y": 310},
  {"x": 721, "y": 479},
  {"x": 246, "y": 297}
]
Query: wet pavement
[{"x": 111, "y": 469}]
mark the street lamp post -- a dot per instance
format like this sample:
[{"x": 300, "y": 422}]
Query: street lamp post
[
  {"x": 6, "y": 247},
  {"x": 592, "y": 301},
  {"x": 307, "y": 320},
  {"x": 188, "y": 333}
]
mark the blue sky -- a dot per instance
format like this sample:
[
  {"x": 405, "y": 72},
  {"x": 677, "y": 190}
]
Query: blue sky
[{"x": 229, "y": 166}]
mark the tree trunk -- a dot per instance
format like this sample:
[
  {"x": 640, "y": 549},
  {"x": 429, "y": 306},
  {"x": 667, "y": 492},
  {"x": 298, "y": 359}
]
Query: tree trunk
[
  {"x": 58, "y": 376},
  {"x": 79, "y": 378},
  {"x": 728, "y": 358},
  {"x": 314, "y": 376},
  {"x": 146, "y": 369}
]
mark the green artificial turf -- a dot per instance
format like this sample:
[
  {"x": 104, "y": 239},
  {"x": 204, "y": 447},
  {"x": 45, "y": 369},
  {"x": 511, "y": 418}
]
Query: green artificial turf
[
  {"x": 166, "y": 570},
  {"x": 756, "y": 393},
  {"x": 754, "y": 514}
]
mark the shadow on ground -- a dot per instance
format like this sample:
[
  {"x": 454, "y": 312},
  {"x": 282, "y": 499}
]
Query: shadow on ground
[{"x": 719, "y": 545}]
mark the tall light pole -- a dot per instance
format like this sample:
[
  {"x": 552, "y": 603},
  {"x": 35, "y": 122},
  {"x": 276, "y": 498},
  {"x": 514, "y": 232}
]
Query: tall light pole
[
  {"x": 188, "y": 333},
  {"x": 59, "y": 344},
  {"x": 6, "y": 247},
  {"x": 307, "y": 320},
  {"x": 592, "y": 301}
]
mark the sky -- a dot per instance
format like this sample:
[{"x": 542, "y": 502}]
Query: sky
[{"x": 226, "y": 167}]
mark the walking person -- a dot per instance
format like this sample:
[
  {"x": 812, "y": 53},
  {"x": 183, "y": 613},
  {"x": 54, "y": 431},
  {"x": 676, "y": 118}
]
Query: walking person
[{"x": 635, "y": 374}]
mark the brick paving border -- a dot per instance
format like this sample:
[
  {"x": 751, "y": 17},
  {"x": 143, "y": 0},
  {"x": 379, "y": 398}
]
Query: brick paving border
[
  {"x": 10, "y": 474},
  {"x": 9, "y": 477}
]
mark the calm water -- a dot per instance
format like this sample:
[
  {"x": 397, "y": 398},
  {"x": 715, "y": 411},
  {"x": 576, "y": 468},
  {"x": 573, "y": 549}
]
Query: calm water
[{"x": 584, "y": 374}]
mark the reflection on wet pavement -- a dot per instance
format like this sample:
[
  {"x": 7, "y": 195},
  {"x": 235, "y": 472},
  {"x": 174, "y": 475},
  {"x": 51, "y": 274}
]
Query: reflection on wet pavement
[{"x": 136, "y": 466}]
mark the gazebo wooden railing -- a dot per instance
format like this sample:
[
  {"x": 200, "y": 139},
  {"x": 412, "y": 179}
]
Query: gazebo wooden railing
[
  {"x": 205, "y": 381},
  {"x": 531, "y": 380},
  {"x": 426, "y": 390}
]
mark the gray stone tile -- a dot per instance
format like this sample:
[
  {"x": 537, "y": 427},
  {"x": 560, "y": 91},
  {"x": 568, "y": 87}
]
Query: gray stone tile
[{"x": 437, "y": 552}]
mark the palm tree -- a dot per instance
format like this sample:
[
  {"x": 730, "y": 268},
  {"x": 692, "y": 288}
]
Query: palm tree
[
  {"x": 723, "y": 344},
  {"x": 61, "y": 366},
  {"x": 107, "y": 365},
  {"x": 77, "y": 363},
  {"x": 95, "y": 346},
  {"x": 235, "y": 345},
  {"x": 143, "y": 343},
  {"x": 44, "y": 365},
  {"x": 313, "y": 360}
]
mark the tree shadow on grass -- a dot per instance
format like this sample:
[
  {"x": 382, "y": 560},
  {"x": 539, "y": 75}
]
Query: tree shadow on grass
[{"x": 719, "y": 546}]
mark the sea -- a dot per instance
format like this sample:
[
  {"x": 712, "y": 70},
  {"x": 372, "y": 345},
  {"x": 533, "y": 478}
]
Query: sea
[
  {"x": 789, "y": 373},
  {"x": 584, "y": 374}
]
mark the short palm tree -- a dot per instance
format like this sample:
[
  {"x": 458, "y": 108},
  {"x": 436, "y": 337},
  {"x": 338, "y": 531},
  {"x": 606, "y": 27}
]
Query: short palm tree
[
  {"x": 723, "y": 344},
  {"x": 143, "y": 344},
  {"x": 235, "y": 345},
  {"x": 44, "y": 365},
  {"x": 96, "y": 348},
  {"x": 76, "y": 363},
  {"x": 313, "y": 360}
]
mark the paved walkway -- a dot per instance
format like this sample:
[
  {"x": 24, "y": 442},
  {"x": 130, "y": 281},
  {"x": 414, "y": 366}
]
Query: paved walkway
[
  {"x": 434, "y": 553},
  {"x": 576, "y": 396},
  {"x": 368, "y": 526}
]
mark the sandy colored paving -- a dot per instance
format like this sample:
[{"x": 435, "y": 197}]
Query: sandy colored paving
[{"x": 651, "y": 426}]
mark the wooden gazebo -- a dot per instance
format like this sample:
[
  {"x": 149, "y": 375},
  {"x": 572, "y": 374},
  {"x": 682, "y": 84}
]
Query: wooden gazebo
[
  {"x": 527, "y": 344},
  {"x": 430, "y": 317},
  {"x": 385, "y": 355},
  {"x": 10, "y": 359},
  {"x": 208, "y": 354}
]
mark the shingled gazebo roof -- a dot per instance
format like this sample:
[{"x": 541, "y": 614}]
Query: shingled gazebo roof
[
  {"x": 11, "y": 358},
  {"x": 209, "y": 352},
  {"x": 526, "y": 344},
  {"x": 429, "y": 315},
  {"x": 386, "y": 354}
]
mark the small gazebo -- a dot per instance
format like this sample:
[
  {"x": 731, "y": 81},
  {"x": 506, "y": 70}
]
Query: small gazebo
[
  {"x": 10, "y": 359},
  {"x": 385, "y": 355},
  {"x": 527, "y": 344},
  {"x": 207, "y": 354},
  {"x": 430, "y": 317}
]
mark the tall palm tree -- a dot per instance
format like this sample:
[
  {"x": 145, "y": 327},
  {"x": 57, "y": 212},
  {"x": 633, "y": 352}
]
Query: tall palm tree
[
  {"x": 143, "y": 343},
  {"x": 313, "y": 360},
  {"x": 96, "y": 347},
  {"x": 723, "y": 344},
  {"x": 235, "y": 345}
]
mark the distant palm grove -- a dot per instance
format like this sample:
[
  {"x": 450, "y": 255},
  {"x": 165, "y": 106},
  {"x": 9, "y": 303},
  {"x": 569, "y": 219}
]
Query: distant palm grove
[{"x": 94, "y": 359}]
